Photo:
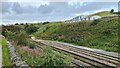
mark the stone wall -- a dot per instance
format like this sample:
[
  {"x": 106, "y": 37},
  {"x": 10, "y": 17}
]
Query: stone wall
[{"x": 15, "y": 58}]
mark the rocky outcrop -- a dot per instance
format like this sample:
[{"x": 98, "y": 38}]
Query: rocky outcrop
[{"x": 15, "y": 58}]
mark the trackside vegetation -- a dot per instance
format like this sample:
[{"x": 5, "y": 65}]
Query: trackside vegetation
[
  {"x": 5, "y": 54},
  {"x": 28, "y": 50},
  {"x": 100, "y": 33},
  {"x": 46, "y": 58}
]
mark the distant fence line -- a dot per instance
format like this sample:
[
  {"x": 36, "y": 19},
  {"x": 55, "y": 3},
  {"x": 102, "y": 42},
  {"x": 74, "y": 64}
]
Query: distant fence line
[{"x": 87, "y": 18}]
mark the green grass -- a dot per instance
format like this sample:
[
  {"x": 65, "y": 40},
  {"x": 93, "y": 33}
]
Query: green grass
[
  {"x": 100, "y": 34},
  {"x": 0, "y": 40},
  {"x": 103, "y": 13},
  {"x": 5, "y": 54},
  {"x": 47, "y": 58}
]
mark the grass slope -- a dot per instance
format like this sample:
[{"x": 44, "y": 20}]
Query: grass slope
[
  {"x": 45, "y": 57},
  {"x": 5, "y": 54},
  {"x": 101, "y": 33},
  {"x": 103, "y": 13}
]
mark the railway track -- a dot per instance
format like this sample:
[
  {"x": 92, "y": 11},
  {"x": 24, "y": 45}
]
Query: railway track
[{"x": 85, "y": 57}]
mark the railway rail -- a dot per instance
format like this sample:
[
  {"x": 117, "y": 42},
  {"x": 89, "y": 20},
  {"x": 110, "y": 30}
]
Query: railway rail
[{"x": 85, "y": 58}]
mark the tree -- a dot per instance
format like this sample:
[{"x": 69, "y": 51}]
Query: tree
[
  {"x": 21, "y": 38},
  {"x": 22, "y": 24},
  {"x": 112, "y": 10},
  {"x": 16, "y": 24},
  {"x": 46, "y": 23},
  {"x": 30, "y": 29}
]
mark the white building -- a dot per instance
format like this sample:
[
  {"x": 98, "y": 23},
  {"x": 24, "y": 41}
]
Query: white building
[{"x": 95, "y": 17}]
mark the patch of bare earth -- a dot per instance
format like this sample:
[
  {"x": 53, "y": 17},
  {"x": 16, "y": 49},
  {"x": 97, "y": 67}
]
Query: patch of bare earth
[{"x": 34, "y": 52}]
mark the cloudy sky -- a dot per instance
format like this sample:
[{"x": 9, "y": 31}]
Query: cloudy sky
[{"x": 12, "y": 12}]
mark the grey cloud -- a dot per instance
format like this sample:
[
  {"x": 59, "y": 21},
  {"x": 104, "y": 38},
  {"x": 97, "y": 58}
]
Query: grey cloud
[
  {"x": 55, "y": 8},
  {"x": 45, "y": 9},
  {"x": 53, "y": 11},
  {"x": 60, "y": 8},
  {"x": 5, "y": 7},
  {"x": 29, "y": 9},
  {"x": 17, "y": 8},
  {"x": 93, "y": 6}
]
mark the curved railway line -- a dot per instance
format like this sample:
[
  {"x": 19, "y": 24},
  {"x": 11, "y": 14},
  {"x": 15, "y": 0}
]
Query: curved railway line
[{"x": 85, "y": 58}]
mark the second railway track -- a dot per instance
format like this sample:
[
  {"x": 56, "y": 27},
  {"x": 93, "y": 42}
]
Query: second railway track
[{"x": 87, "y": 57}]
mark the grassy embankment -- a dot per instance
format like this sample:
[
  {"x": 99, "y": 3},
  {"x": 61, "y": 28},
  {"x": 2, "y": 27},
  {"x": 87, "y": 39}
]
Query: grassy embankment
[
  {"x": 5, "y": 54},
  {"x": 44, "y": 56},
  {"x": 34, "y": 56},
  {"x": 103, "y": 13},
  {"x": 100, "y": 34}
]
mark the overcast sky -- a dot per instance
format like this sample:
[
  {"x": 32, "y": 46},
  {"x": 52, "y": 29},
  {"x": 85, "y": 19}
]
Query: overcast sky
[{"x": 13, "y": 12}]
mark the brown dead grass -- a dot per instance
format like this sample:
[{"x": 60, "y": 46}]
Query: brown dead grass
[{"x": 34, "y": 52}]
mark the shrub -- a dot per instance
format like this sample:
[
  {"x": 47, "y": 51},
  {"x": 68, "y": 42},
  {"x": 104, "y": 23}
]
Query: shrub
[
  {"x": 12, "y": 28},
  {"x": 21, "y": 38},
  {"x": 22, "y": 24},
  {"x": 31, "y": 29},
  {"x": 10, "y": 35},
  {"x": 16, "y": 24},
  {"x": 52, "y": 58},
  {"x": 95, "y": 22},
  {"x": 47, "y": 58},
  {"x": 31, "y": 45},
  {"x": 45, "y": 23},
  {"x": 112, "y": 10},
  {"x": 107, "y": 32}
]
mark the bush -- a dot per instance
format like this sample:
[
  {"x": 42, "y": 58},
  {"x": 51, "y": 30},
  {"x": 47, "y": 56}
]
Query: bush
[
  {"x": 22, "y": 24},
  {"x": 21, "y": 38},
  {"x": 112, "y": 10},
  {"x": 11, "y": 28},
  {"x": 95, "y": 22},
  {"x": 47, "y": 58},
  {"x": 45, "y": 23},
  {"x": 107, "y": 32},
  {"x": 10, "y": 35},
  {"x": 52, "y": 58},
  {"x": 16, "y": 24},
  {"x": 30, "y": 29},
  {"x": 32, "y": 45}
]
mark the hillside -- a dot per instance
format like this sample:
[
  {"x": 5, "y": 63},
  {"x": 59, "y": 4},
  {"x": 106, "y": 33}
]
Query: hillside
[
  {"x": 101, "y": 33},
  {"x": 103, "y": 13}
]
